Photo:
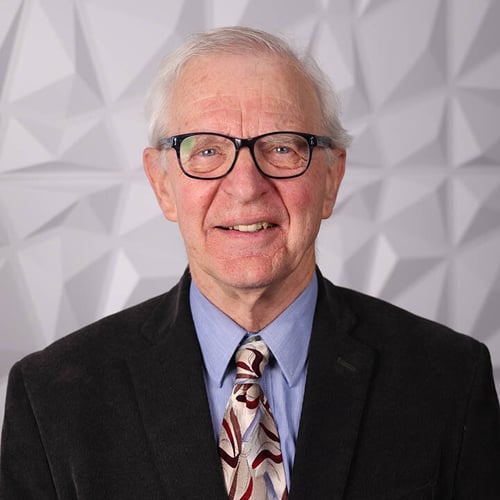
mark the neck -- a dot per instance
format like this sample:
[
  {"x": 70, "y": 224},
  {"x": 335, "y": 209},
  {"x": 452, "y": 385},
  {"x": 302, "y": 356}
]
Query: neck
[{"x": 254, "y": 308}]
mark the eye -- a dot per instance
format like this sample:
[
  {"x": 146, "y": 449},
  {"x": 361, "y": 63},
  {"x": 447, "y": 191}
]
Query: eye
[
  {"x": 208, "y": 152},
  {"x": 282, "y": 149}
]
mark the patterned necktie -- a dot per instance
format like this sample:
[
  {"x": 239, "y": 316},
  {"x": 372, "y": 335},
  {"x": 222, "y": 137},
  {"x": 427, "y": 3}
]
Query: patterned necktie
[{"x": 249, "y": 444}]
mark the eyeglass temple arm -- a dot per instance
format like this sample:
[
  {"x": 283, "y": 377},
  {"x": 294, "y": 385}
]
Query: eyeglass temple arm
[
  {"x": 167, "y": 142},
  {"x": 323, "y": 141}
]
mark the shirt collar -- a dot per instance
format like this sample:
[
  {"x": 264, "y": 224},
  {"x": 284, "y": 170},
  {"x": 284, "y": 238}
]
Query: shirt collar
[{"x": 287, "y": 336}]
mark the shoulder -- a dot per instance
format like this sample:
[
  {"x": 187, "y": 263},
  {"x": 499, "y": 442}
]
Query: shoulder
[
  {"x": 98, "y": 346},
  {"x": 396, "y": 333},
  {"x": 110, "y": 337}
]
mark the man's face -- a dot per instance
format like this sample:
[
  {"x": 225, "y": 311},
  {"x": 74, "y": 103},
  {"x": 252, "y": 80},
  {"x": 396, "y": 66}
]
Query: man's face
[{"x": 228, "y": 248}]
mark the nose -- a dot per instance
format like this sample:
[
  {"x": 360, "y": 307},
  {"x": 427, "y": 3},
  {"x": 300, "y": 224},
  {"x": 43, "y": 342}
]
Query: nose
[{"x": 245, "y": 181}]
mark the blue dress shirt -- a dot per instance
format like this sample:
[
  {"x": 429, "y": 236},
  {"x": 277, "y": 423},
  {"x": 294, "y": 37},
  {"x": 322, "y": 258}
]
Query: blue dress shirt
[{"x": 284, "y": 378}]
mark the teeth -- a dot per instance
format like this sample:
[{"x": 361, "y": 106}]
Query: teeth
[{"x": 251, "y": 228}]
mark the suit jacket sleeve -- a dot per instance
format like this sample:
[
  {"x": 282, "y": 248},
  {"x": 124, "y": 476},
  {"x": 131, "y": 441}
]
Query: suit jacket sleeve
[
  {"x": 478, "y": 468},
  {"x": 24, "y": 469}
]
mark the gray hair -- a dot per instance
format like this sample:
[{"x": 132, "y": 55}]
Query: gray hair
[{"x": 240, "y": 40}]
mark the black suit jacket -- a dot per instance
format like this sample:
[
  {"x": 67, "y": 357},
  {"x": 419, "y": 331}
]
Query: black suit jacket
[{"x": 395, "y": 407}]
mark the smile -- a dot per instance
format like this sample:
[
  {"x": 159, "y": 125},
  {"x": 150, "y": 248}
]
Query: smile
[{"x": 249, "y": 228}]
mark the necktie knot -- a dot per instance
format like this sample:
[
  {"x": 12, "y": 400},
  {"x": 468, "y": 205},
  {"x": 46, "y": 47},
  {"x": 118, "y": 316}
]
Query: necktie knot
[{"x": 251, "y": 359}]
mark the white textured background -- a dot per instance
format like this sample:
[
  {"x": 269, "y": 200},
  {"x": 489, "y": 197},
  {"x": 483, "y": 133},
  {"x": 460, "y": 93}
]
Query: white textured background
[{"x": 418, "y": 220}]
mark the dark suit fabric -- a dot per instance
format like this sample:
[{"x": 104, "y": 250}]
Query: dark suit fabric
[{"x": 395, "y": 407}]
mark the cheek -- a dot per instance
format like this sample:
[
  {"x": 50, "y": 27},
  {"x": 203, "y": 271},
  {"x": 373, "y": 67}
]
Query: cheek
[
  {"x": 193, "y": 203},
  {"x": 309, "y": 204},
  {"x": 309, "y": 195}
]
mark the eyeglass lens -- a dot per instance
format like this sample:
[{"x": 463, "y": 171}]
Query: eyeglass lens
[{"x": 211, "y": 155}]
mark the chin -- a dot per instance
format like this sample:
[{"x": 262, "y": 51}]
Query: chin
[{"x": 250, "y": 274}]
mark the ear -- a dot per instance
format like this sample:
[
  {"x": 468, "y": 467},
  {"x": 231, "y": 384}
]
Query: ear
[
  {"x": 161, "y": 183},
  {"x": 334, "y": 174}
]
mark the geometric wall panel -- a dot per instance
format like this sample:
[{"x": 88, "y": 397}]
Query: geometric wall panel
[{"x": 418, "y": 217}]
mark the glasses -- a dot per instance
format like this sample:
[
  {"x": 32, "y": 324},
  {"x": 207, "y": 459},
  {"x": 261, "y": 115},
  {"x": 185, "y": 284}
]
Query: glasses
[{"x": 279, "y": 155}]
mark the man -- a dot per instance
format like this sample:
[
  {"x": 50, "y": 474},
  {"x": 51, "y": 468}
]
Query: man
[{"x": 364, "y": 400}]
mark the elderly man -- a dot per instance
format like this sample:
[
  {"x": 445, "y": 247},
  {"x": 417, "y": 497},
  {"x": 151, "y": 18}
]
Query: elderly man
[{"x": 359, "y": 399}]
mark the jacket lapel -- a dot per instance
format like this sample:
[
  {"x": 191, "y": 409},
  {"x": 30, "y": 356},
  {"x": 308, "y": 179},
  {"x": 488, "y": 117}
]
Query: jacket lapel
[
  {"x": 339, "y": 373},
  {"x": 171, "y": 394}
]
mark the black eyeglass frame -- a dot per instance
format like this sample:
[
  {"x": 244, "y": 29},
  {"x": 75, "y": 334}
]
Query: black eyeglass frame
[{"x": 313, "y": 141}]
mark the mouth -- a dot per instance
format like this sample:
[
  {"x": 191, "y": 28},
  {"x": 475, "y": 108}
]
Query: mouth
[{"x": 249, "y": 228}]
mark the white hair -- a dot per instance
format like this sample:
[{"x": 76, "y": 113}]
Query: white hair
[{"x": 240, "y": 40}]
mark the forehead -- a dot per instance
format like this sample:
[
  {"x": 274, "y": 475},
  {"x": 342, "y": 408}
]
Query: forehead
[{"x": 257, "y": 93}]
